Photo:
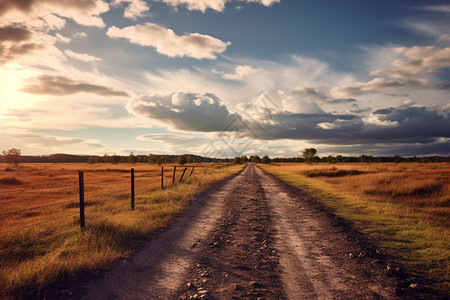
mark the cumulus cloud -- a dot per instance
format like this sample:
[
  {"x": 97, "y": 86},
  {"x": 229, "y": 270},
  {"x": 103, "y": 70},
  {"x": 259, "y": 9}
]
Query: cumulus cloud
[
  {"x": 84, "y": 12},
  {"x": 184, "y": 111},
  {"x": 166, "y": 42},
  {"x": 62, "y": 86},
  {"x": 205, "y": 113},
  {"x": 82, "y": 56},
  {"x": 134, "y": 9}
]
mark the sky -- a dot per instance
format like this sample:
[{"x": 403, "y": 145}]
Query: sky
[{"x": 225, "y": 78}]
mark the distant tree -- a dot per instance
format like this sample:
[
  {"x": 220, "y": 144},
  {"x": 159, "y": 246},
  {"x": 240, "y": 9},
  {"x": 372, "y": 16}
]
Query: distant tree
[
  {"x": 255, "y": 159},
  {"x": 12, "y": 156},
  {"x": 105, "y": 158},
  {"x": 331, "y": 159},
  {"x": 265, "y": 160},
  {"x": 398, "y": 158},
  {"x": 237, "y": 160},
  {"x": 152, "y": 158},
  {"x": 309, "y": 154},
  {"x": 115, "y": 159},
  {"x": 58, "y": 158},
  {"x": 132, "y": 159},
  {"x": 339, "y": 158},
  {"x": 244, "y": 159},
  {"x": 365, "y": 158},
  {"x": 92, "y": 160},
  {"x": 183, "y": 159}
]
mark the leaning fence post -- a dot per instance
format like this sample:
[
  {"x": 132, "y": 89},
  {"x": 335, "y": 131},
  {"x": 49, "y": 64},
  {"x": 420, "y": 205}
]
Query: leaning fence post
[
  {"x": 184, "y": 171},
  {"x": 173, "y": 176},
  {"x": 132, "y": 189},
  {"x": 190, "y": 174},
  {"x": 162, "y": 177},
  {"x": 81, "y": 189}
]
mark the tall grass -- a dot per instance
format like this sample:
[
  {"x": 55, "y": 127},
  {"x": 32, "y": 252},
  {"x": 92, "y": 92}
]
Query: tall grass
[
  {"x": 405, "y": 206},
  {"x": 33, "y": 259}
]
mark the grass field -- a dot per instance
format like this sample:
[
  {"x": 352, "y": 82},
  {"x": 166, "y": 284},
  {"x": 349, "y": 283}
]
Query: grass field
[
  {"x": 405, "y": 206},
  {"x": 41, "y": 242}
]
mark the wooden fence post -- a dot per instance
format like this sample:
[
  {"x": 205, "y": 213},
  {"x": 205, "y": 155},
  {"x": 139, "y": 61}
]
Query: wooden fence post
[
  {"x": 190, "y": 174},
  {"x": 81, "y": 190},
  {"x": 184, "y": 171},
  {"x": 173, "y": 176},
  {"x": 162, "y": 177},
  {"x": 132, "y": 189}
]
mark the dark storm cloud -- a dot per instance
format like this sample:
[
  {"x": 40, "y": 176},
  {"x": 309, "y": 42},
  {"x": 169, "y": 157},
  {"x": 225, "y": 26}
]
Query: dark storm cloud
[
  {"x": 14, "y": 34},
  {"x": 392, "y": 125},
  {"x": 184, "y": 111},
  {"x": 62, "y": 86},
  {"x": 406, "y": 125}
]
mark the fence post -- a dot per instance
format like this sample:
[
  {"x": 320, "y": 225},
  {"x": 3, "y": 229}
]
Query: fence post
[
  {"x": 190, "y": 174},
  {"x": 132, "y": 189},
  {"x": 81, "y": 189},
  {"x": 181, "y": 178},
  {"x": 173, "y": 176},
  {"x": 162, "y": 177}
]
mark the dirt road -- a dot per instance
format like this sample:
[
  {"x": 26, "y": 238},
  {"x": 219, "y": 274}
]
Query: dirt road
[{"x": 250, "y": 237}]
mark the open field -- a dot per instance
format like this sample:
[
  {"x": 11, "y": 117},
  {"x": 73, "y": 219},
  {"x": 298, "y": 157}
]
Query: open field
[
  {"x": 405, "y": 206},
  {"x": 44, "y": 245}
]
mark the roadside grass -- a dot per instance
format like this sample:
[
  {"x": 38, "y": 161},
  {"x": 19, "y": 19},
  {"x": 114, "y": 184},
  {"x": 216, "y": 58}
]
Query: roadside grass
[
  {"x": 405, "y": 206},
  {"x": 35, "y": 258}
]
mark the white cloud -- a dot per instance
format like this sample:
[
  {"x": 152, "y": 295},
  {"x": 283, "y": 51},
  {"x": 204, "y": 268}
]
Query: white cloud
[
  {"x": 63, "y": 39},
  {"x": 217, "y": 5},
  {"x": 410, "y": 67},
  {"x": 82, "y": 56},
  {"x": 54, "y": 22},
  {"x": 201, "y": 5},
  {"x": 38, "y": 143},
  {"x": 437, "y": 8},
  {"x": 240, "y": 72},
  {"x": 166, "y": 42},
  {"x": 135, "y": 8},
  {"x": 80, "y": 34},
  {"x": 426, "y": 57},
  {"x": 265, "y": 2},
  {"x": 86, "y": 12}
]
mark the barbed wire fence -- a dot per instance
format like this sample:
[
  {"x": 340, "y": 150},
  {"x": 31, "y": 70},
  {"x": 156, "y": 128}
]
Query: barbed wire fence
[{"x": 80, "y": 202}]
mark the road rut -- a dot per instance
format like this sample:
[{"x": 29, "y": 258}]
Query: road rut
[{"x": 249, "y": 237}]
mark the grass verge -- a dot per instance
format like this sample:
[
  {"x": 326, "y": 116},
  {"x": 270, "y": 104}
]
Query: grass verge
[
  {"x": 405, "y": 206},
  {"x": 35, "y": 259}
]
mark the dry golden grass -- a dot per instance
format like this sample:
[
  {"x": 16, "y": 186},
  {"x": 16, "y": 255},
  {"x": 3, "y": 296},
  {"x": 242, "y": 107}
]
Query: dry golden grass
[
  {"x": 33, "y": 257},
  {"x": 406, "y": 206}
]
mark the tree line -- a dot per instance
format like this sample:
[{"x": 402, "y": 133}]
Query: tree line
[{"x": 309, "y": 155}]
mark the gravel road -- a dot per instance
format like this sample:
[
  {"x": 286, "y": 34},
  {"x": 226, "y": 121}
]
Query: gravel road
[{"x": 250, "y": 237}]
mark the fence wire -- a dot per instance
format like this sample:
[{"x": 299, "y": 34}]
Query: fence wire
[
  {"x": 39, "y": 223},
  {"x": 36, "y": 207}
]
